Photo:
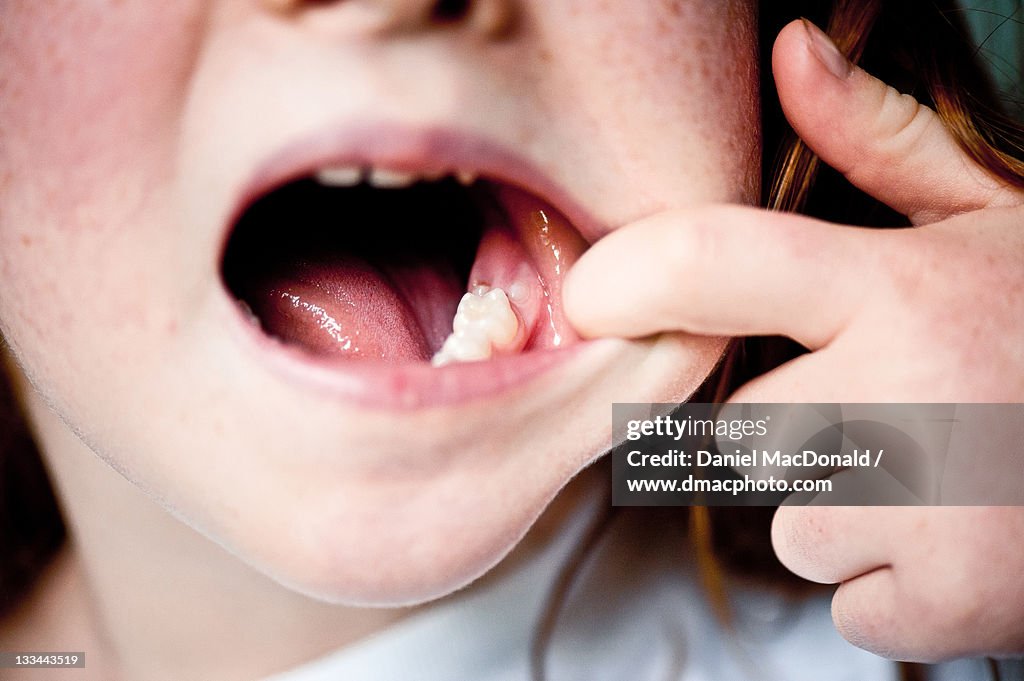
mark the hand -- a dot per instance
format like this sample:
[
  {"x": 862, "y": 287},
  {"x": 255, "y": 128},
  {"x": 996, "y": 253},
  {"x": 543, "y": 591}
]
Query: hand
[{"x": 929, "y": 314}]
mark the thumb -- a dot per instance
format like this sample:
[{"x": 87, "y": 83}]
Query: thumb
[{"x": 886, "y": 143}]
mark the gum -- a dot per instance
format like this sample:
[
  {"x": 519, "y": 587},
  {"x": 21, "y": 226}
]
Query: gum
[{"x": 503, "y": 263}]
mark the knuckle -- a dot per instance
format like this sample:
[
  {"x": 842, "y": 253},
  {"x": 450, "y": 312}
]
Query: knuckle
[
  {"x": 704, "y": 238},
  {"x": 863, "y": 629},
  {"x": 785, "y": 536},
  {"x": 798, "y": 535},
  {"x": 688, "y": 244},
  {"x": 905, "y": 265},
  {"x": 901, "y": 124}
]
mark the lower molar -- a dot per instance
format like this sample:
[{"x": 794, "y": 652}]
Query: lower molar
[{"x": 484, "y": 322}]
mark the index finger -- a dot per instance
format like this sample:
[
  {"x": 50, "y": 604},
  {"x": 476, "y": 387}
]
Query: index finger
[{"x": 723, "y": 270}]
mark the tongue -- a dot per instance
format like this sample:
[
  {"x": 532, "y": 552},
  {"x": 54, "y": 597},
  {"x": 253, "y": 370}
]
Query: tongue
[{"x": 347, "y": 307}]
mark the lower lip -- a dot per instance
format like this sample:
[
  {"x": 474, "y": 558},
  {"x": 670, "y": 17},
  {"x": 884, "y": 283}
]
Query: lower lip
[{"x": 405, "y": 386}]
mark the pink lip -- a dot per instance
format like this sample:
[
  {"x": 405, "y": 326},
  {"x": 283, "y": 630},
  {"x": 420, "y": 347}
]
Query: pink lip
[
  {"x": 411, "y": 385},
  {"x": 408, "y": 386}
]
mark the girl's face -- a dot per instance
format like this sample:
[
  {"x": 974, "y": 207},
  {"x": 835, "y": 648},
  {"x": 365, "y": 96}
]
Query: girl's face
[{"x": 137, "y": 138}]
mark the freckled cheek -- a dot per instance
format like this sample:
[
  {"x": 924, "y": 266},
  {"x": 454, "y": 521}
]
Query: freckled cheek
[
  {"x": 668, "y": 96},
  {"x": 79, "y": 296},
  {"x": 92, "y": 97},
  {"x": 72, "y": 140},
  {"x": 87, "y": 152},
  {"x": 94, "y": 269}
]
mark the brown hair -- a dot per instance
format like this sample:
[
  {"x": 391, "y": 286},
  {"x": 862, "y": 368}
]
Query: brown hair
[{"x": 31, "y": 529}]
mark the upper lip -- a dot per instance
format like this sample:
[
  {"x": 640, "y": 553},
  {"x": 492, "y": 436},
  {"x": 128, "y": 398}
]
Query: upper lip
[{"x": 426, "y": 151}]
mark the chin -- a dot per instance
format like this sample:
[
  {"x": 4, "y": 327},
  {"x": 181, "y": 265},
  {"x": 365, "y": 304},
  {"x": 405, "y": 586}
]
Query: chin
[{"x": 423, "y": 501}]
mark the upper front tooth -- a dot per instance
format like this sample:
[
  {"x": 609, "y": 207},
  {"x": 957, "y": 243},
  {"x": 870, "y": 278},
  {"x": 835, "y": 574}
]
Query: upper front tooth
[
  {"x": 466, "y": 177},
  {"x": 390, "y": 179},
  {"x": 340, "y": 176}
]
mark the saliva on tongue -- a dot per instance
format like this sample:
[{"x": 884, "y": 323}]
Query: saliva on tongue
[{"x": 345, "y": 306}]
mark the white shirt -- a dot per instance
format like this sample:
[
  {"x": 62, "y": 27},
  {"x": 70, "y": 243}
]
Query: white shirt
[{"x": 631, "y": 619}]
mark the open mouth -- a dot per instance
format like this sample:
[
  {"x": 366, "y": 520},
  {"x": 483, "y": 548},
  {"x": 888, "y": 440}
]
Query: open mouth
[{"x": 362, "y": 264}]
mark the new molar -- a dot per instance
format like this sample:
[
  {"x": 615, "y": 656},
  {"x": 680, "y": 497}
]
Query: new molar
[{"x": 483, "y": 322}]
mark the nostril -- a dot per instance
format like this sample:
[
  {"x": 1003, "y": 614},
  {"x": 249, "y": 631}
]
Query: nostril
[{"x": 450, "y": 10}]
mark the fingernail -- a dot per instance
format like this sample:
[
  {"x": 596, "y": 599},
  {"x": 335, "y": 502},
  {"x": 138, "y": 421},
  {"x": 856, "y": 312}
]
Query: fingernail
[{"x": 826, "y": 51}]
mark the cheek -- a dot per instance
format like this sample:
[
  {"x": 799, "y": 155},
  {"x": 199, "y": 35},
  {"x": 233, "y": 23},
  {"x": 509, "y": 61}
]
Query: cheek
[
  {"x": 90, "y": 93},
  {"x": 90, "y": 88},
  {"x": 671, "y": 91}
]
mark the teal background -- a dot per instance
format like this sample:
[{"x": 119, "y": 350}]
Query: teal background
[{"x": 998, "y": 30}]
